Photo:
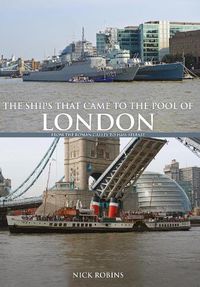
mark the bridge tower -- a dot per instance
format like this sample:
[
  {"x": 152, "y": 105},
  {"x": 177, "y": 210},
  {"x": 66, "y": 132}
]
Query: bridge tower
[
  {"x": 85, "y": 157},
  {"x": 5, "y": 185},
  {"x": 21, "y": 66}
]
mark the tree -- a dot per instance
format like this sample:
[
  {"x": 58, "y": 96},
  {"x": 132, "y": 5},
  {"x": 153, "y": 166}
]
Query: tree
[{"x": 190, "y": 60}]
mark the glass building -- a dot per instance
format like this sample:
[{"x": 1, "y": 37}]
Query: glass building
[
  {"x": 149, "y": 41},
  {"x": 158, "y": 193},
  {"x": 106, "y": 40},
  {"x": 188, "y": 178},
  {"x": 101, "y": 43},
  {"x": 129, "y": 39},
  {"x": 155, "y": 35},
  {"x": 183, "y": 27}
]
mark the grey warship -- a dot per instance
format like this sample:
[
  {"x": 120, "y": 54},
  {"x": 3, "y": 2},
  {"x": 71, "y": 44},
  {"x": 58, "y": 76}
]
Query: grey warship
[{"x": 94, "y": 68}]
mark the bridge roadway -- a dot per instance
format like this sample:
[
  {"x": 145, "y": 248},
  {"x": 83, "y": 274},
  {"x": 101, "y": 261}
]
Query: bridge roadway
[
  {"x": 192, "y": 143},
  {"x": 20, "y": 204},
  {"x": 127, "y": 167}
]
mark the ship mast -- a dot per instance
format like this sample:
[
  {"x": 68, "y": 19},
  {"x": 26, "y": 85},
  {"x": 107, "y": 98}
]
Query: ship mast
[
  {"x": 47, "y": 188},
  {"x": 82, "y": 42}
]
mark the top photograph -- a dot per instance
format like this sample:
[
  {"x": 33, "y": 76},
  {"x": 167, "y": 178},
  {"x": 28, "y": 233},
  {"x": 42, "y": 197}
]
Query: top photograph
[{"x": 110, "y": 68}]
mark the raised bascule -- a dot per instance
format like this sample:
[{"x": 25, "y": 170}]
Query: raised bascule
[{"x": 127, "y": 167}]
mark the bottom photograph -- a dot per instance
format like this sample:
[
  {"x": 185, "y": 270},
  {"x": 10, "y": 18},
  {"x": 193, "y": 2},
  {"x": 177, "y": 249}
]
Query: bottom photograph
[{"x": 100, "y": 211}]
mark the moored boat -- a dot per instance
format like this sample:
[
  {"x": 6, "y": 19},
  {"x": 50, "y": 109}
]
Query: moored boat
[
  {"x": 148, "y": 71},
  {"x": 80, "y": 79},
  {"x": 160, "y": 72},
  {"x": 94, "y": 68}
]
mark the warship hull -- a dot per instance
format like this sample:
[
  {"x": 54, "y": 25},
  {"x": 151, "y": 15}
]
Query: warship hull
[
  {"x": 161, "y": 72},
  {"x": 66, "y": 73}
]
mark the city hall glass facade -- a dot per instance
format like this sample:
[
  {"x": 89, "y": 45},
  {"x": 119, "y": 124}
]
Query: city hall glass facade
[{"x": 158, "y": 193}]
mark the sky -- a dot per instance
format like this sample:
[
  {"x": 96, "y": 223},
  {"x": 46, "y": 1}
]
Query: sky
[
  {"x": 19, "y": 157},
  {"x": 34, "y": 28}
]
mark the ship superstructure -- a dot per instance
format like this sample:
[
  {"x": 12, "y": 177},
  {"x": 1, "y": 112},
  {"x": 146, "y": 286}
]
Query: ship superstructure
[{"x": 94, "y": 68}]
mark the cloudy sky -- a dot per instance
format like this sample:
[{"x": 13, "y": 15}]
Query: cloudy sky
[
  {"x": 34, "y": 28},
  {"x": 19, "y": 156}
]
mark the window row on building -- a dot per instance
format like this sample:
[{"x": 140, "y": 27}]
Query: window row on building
[{"x": 135, "y": 38}]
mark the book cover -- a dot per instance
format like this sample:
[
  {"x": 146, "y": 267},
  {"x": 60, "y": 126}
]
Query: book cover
[{"x": 99, "y": 143}]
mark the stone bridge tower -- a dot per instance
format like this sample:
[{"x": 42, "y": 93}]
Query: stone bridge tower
[{"x": 85, "y": 157}]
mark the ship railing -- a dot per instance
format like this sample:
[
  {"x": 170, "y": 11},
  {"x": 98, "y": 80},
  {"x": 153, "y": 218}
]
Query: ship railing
[{"x": 57, "y": 218}]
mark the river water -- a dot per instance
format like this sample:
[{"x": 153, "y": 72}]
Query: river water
[
  {"x": 165, "y": 120},
  {"x": 164, "y": 259}
]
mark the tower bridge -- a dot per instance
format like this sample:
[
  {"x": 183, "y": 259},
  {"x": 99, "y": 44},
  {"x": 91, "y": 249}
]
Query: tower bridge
[
  {"x": 16, "y": 68},
  {"x": 99, "y": 158}
]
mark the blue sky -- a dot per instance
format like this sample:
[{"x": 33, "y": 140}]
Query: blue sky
[{"x": 33, "y": 28}]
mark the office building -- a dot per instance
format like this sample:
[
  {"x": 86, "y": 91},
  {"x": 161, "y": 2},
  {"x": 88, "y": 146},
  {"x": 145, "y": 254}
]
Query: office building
[
  {"x": 186, "y": 43},
  {"x": 106, "y": 40},
  {"x": 188, "y": 178},
  {"x": 172, "y": 170},
  {"x": 129, "y": 39},
  {"x": 155, "y": 35}
]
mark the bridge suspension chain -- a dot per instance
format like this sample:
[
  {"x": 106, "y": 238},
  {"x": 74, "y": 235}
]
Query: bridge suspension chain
[
  {"x": 32, "y": 178},
  {"x": 193, "y": 144}
]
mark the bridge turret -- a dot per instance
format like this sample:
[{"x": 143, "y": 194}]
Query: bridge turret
[
  {"x": 85, "y": 157},
  {"x": 5, "y": 185},
  {"x": 1, "y": 176}
]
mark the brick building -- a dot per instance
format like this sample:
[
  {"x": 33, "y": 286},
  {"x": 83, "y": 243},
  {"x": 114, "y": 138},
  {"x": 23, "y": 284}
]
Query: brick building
[{"x": 186, "y": 43}]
